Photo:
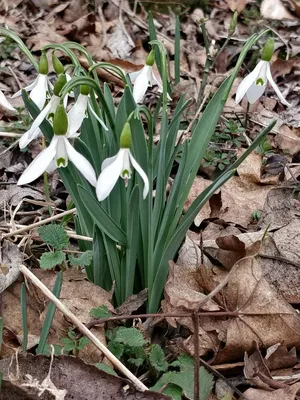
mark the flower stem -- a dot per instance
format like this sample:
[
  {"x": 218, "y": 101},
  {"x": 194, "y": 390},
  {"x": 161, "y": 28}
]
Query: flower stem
[{"x": 46, "y": 184}]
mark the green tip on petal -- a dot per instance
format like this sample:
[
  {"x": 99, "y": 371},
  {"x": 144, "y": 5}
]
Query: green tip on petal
[
  {"x": 151, "y": 58},
  {"x": 43, "y": 65},
  {"x": 61, "y": 162},
  {"x": 60, "y": 121},
  {"x": 268, "y": 50},
  {"x": 57, "y": 65},
  {"x": 59, "y": 84},
  {"x": 85, "y": 90},
  {"x": 233, "y": 23},
  {"x": 125, "y": 138}
]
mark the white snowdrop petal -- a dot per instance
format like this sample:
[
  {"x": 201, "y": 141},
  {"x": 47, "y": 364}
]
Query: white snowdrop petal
[
  {"x": 5, "y": 103},
  {"x": 39, "y": 164},
  {"x": 141, "y": 85},
  {"x": 61, "y": 157},
  {"x": 142, "y": 174},
  {"x": 134, "y": 75},
  {"x": 31, "y": 133},
  {"x": 108, "y": 161},
  {"x": 27, "y": 88},
  {"x": 255, "y": 92},
  {"x": 248, "y": 81},
  {"x": 81, "y": 163},
  {"x": 109, "y": 176},
  {"x": 276, "y": 88},
  {"x": 77, "y": 114},
  {"x": 39, "y": 93}
]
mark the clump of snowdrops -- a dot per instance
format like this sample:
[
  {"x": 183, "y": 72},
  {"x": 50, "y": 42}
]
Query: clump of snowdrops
[{"x": 115, "y": 174}]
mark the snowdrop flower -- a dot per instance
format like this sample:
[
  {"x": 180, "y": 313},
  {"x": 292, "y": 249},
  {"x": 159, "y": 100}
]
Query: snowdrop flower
[
  {"x": 48, "y": 111},
  {"x": 4, "y": 103},
  {"x": 60, "y": 151},
  {"x": 40, "y": 86},
  {"x": 144, "y": 78},
  {"x": 254, "y": 85},
  {"x": 119, "y": 166},
  {"x": 78, "y": 112}
]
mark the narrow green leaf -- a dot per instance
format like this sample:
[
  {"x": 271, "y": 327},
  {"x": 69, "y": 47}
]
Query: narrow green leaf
[
  {"x": 24, "y": 317},
  {"x": 50, "y": 315},
  {"x": 100, "y": 216}
]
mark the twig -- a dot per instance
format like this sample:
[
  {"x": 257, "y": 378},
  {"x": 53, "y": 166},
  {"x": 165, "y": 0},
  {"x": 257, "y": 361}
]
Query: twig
[
  {"x": 10, "y": 134},
  {"x": 195, "y": 318},
  {"x": 217, "y": 373},
  {"x": 40, "y": 223},
  {"x": 214, "y": 314},
  {"x": 70, "y": 316},
  {"x": 279, "y": 258}
]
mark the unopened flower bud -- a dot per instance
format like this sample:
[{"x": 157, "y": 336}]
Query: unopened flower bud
[
  {"x": 125, "y": 138},
  {"x": 59, "y": 84},
  {"x": 60, "y": 121},
  {"x": 57, "y": 65},
  {"x": 233, "y": 23},
  {"x": 268, "y": 50},
  {"x": 43, "y": 65},
  {"x": 85, "y": 90},
  {"x": 150, "y": 58}
]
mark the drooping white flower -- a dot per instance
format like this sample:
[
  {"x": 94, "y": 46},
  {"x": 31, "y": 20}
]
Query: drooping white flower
[
  {"x": 40, "y": 86},
  {"x": 49, "y": 110},
  {"x": 119, "y": 166},
  {"x": 6, "y": 104},
  {"x": 254, "y": 84},
  {"x": 35, "y": 131},
  {"x": 78, "y": 112},
  {"x": 61, "y": 151},
  {"x": 144, "y": 78}
]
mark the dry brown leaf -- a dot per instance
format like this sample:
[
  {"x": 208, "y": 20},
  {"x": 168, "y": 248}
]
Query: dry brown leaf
[
  {"x": 237, "y": 5},
  {"x": 278, "y": 357},
  {"x": 231, "y": 249},
  {"x": 239, "y": 199},
  {"x": 288, "y": 393},
  {"x": 249, "y": 292},
  {"x": 253, "y": 364},
  {"x": 288, "y": 139},
  {"x": 183, "y": 291},
  {"x": 26, "y": 379},
  {"x": 80, "y": 296},
  {"x": 44, "y": 35},
  {"x": 11, "y": 258}
]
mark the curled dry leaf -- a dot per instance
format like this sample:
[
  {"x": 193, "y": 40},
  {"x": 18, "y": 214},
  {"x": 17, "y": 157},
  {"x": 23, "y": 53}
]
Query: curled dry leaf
[
  {"x": 254, "y": 364},
  {"x": 278, "y": 356},
  {"x": 288, "y": 393},
  {"x": 288, "y": 140}
]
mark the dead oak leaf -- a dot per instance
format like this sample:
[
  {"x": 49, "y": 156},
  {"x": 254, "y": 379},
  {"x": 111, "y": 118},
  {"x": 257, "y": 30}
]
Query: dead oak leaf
[{"x": 272, "y": 319}]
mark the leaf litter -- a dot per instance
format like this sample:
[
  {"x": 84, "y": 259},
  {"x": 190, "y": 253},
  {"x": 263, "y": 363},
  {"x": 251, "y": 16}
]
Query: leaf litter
[{"x": 223, "y": 236}]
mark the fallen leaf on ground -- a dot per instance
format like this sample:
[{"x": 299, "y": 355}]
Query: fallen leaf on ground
[
  {"x": 69, "y": 375},
  {"x": 237, "y": 5},
  {"x": 274, "y": 9},
  {"x": 288, "y": 393}
]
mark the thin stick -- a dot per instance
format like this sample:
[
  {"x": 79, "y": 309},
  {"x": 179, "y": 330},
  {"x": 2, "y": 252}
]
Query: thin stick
[
  {"x": 70, "y": 316},
  {"x": 37, "y": 224},
  {"x": 196, "y": 356}
]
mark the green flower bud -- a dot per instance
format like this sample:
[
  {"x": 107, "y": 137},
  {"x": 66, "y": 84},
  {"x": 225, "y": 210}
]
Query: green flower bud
[
  {"x": 150, "y": 58},
  {"x": 125, "y": 138},
  {"x": 57, "y": 65},
  {"x": 268, "y": 50},
  {"x": 233, "y": 23},
  {"x": 60, "y": 121},
  {"x": 84, "y": 89},
  {"x": 43, "y": 65},
  {"x": 59, "y": 84}
]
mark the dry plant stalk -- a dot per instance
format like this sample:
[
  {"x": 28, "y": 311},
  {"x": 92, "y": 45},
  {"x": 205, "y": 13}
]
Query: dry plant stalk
[{"x": 83, "y": 329}]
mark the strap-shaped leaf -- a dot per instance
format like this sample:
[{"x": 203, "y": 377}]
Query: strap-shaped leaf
[{"x": 100, "y": 217}]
